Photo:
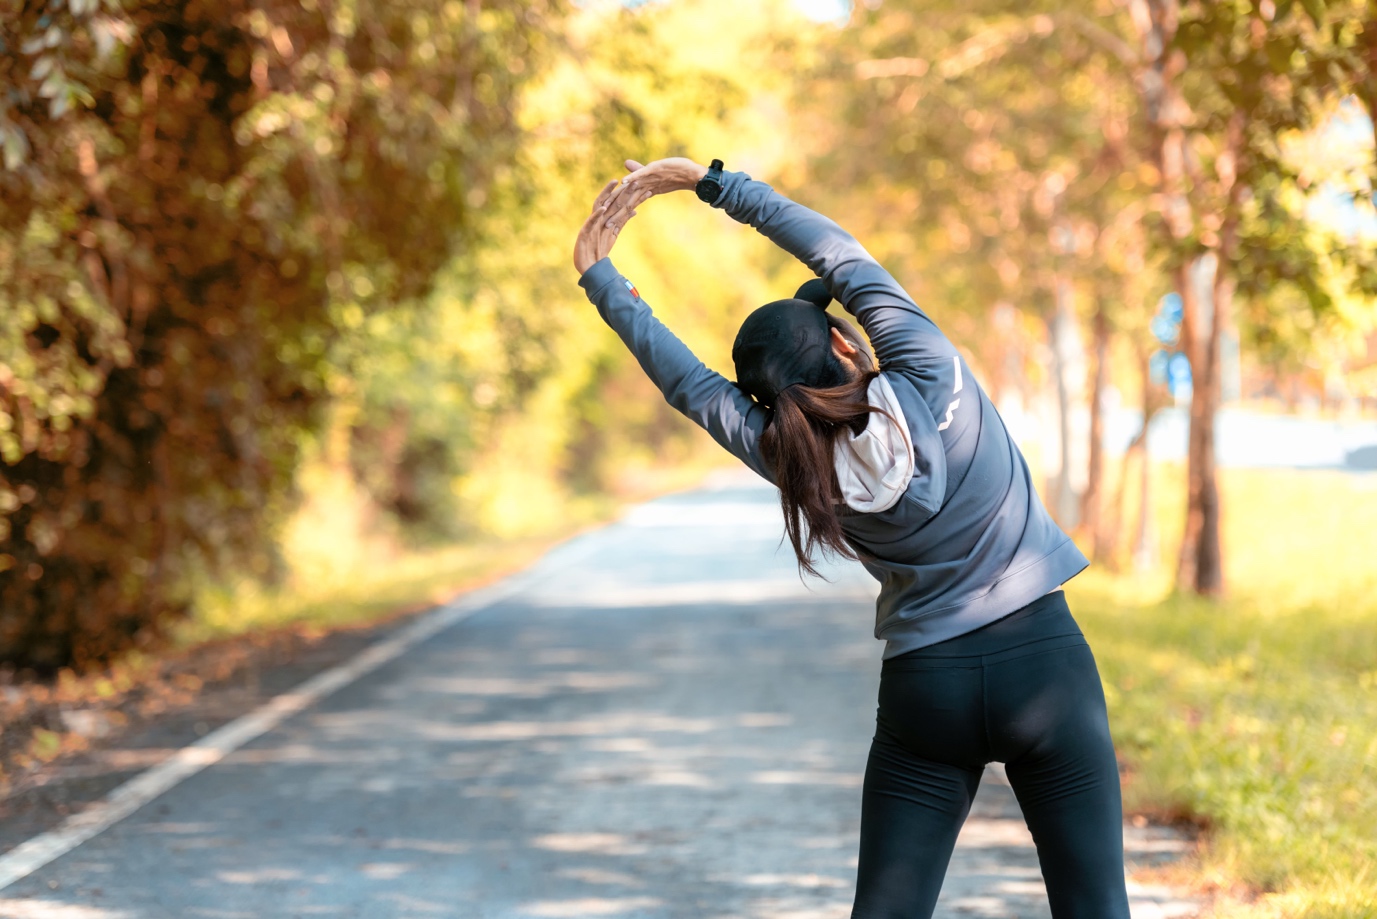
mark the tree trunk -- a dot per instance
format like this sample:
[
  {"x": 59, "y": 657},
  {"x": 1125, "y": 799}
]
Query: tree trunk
[
  {"x": 1201, "y": 279},
  {"x": 1091, "y": 515},
  {"x": 1145, "y": 539},
  {"x": 1167, "y": 115},
  {"x": 1200, "y": 565},
  {"x": 1063, "y": 333},
  {"x": 1145, "y": 544}
]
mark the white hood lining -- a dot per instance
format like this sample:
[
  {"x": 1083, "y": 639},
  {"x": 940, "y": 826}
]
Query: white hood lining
[{"x": 875, "y": 466}]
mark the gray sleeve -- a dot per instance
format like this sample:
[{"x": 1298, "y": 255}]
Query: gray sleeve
[
  {"x": 706, "y": 397},
  {"x": 901, "y": 333}
]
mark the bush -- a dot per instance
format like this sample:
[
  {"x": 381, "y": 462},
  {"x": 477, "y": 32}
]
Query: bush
[{"x": 198, "y": 197}]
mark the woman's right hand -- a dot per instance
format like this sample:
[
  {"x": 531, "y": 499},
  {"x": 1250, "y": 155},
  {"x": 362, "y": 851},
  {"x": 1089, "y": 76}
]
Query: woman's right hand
[
  {"x": 599, "y": 232},
  {"x": 677, "y": 173}
]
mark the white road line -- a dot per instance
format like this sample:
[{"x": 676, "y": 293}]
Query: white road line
[{"x": 29, "y": 856}]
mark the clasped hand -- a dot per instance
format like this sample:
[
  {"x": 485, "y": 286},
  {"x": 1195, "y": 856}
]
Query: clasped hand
[{"x": 618, "y": 200}]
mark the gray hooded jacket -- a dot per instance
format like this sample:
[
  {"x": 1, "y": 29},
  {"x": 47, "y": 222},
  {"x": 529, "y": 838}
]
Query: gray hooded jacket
[{"x": 968, "y": 542}]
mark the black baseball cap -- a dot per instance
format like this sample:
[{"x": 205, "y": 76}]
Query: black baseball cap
[{"x": 787, "y": 342}]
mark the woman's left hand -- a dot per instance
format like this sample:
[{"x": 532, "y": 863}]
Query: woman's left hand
[
  {"x": 599, "y": 233},
  {"x": 676, "y": 173}
]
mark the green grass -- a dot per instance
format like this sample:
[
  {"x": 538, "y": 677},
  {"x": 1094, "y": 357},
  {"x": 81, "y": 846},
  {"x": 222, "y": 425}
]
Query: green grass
[
  {"x": 1257, "y": 716},
  {"x": 404, "y": 582},
  {"x": 348, "y": 565}
]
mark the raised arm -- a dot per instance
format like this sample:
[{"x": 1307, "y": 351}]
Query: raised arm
[
  {"x": 901, "y": 333},
  {"x": 707, "y": 398}
]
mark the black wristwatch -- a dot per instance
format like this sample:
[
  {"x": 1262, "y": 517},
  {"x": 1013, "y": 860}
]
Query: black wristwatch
[{"x": 710, "y": 186}]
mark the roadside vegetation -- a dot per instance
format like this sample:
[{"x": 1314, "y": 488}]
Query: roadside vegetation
[{"x": 1254, "y": 718}]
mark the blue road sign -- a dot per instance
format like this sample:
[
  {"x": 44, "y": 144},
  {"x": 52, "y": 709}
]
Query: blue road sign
[
  {"x": 1178, "y": 374},
  {"x": 1166, "y": 325},
  {"x": 1157, "y": 366}
]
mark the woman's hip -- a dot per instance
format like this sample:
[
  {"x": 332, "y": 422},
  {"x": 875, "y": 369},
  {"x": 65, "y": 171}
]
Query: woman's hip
[
  {"x": 1031, "y": 671},
  {"x": 1032, "y": 627}
]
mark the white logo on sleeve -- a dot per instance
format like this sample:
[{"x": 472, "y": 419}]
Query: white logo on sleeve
[{"x": 956, "y": 362}]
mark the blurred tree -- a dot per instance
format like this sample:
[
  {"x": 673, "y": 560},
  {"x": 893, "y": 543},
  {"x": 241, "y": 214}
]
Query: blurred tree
[
  {"x": 1280, "y": 326},
  {"x": 1006, "y": 133},
  {"x": 1222, "y": 86},
  {"x": 501, "y": 404},
  {"x": 1022, "y": 146},
  {"x": 197, "y": 198}
]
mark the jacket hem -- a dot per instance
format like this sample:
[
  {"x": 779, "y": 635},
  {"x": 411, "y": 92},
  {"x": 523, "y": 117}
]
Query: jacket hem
[{"x": 1009, "y": 594}]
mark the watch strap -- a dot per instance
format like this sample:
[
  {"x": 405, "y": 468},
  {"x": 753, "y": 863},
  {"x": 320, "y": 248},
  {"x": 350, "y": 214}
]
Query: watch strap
[{"x": 710, "y": 186}]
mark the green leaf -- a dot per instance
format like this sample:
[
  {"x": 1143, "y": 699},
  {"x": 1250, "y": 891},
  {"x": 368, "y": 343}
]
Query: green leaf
[
  {"x": 16, "y": 145},
  {"x": 54, "y": 84}
]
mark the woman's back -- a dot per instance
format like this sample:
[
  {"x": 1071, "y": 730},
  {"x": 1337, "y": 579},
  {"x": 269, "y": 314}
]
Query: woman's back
[
  {"x": 988, "y": 548},
  {"x": 969, "y": 541}
]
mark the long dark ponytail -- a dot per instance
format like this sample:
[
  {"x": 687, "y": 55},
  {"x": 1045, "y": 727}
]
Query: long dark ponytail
[{"x": 798, "y": 443}]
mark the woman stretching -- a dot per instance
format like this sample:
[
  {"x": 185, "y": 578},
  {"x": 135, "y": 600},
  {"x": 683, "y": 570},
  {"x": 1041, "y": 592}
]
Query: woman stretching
[{"x": 907, "y": 467}]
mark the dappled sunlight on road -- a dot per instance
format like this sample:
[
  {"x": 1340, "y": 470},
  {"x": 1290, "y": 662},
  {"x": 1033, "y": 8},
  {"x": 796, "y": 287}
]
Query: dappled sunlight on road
[
  {"x": 534, "y": 688},
  {"x": 791, "y": 880},
  {"x": 266, "y": 875},
  {"x": 589, "y": 843},
  {"x": 566, "y": 754},
  {"x": 783, "y": 777},
  {"x": 43, "y": 909},
  {"x": 589, "y": 906}
]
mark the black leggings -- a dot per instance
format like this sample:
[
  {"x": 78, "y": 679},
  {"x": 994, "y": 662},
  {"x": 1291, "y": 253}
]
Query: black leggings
[{"x": 1024, "y": 691}]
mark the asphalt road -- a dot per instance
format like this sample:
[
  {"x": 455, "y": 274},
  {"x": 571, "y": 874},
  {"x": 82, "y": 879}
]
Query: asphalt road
[{"x": 662, "y": 722}]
